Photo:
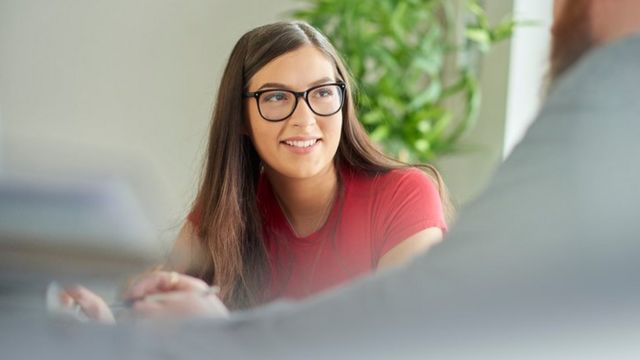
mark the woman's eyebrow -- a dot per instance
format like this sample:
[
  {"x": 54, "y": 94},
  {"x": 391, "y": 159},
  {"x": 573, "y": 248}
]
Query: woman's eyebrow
[
  {"x": 273, "y": 85},
  {"x": 324, "y": 80},
  {"x": 283, "y": 86}
]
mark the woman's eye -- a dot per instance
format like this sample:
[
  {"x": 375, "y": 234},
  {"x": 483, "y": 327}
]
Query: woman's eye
[
  {"x": 324, "y": 92},
  {"x": 275, "y": 96}
]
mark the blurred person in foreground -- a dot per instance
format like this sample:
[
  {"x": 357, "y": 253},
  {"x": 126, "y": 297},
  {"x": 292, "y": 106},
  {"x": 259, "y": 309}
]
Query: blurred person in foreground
[{"x": 544, "y": 264}]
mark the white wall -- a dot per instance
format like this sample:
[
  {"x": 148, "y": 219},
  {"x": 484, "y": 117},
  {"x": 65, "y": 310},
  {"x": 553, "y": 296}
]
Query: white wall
[
  {"x": 529, "y": 63},
  {"x": 118, "y": 86}
]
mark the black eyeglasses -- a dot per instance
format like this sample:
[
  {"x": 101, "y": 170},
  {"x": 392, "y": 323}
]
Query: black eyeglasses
[{"x": 279, "y": 104}]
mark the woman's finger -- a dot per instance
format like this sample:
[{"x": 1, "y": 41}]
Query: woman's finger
[
  {"x": 181, "y": 304},
  {"x": 91, "y": 304},
  {"x": 164, "y": 281},
  {"x": 149, "y": 309}
]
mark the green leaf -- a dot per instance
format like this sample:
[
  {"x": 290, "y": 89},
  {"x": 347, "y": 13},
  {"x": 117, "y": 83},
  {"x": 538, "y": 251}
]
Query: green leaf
[
  {"x": 373, "y": 117},
  {"x": 380, "y": 133},
  {"x": 430, "y": 65},
  {"x": 424, "y": 126},
  {"x": 397, "y": 21},
  {"x": 476, "y": 9},
  {"x": 385, "y": 58},
  {"x": 422, "y": 145},
  {"x": 439, "y": 127},
  {"x": 480, "y": 36},
  {"x": 503, "y": 30},
  {"x": 430, "y": 95}
]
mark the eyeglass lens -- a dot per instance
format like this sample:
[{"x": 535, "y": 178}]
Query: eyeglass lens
[{"x": 280, "y": 104}]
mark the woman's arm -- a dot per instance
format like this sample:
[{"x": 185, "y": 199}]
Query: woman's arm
[
  {"x": 414, "y": 245},
  {"x": 186, "y": 253}
]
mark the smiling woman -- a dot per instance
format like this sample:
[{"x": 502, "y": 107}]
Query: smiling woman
[
  {"x": 295, "y": 198},
  {"x": 302, "y": 200}
]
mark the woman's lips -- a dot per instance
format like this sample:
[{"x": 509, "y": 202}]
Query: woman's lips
[{"x": 301, "y": 146}]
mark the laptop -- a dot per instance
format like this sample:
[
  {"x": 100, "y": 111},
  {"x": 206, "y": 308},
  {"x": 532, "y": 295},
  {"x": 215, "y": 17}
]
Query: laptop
[{"x": 67, "y": 228}]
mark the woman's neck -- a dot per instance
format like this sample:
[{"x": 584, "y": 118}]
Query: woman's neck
[{"x": 306, "y": 203}]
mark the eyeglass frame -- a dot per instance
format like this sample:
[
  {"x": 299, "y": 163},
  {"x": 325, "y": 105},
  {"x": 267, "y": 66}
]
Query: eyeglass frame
[{"x": 298, "y": 94}]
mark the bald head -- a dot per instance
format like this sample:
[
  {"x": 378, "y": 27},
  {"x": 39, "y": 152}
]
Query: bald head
[
  {"x": 580, "y": 25},
  {"x": 614, "y": 19}
]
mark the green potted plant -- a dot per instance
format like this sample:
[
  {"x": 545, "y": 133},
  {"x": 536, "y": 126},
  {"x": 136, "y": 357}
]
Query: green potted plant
[{"x": 410, "y": 97}]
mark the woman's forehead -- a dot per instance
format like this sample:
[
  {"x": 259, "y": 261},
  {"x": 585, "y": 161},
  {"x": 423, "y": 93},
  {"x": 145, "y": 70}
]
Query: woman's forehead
[{"x": 296, "y": 69}]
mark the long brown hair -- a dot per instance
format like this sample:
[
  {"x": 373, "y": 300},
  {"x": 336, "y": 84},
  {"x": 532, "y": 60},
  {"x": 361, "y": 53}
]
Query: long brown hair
[{"x": 230, "y": 225}]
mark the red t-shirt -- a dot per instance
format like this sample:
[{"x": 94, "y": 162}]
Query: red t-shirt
[{"x": 376, "y": 213}]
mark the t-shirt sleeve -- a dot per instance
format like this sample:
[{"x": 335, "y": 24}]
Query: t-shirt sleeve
[
  {"x": 411, "y": 203},
  {"x": 195, "y": 217}
]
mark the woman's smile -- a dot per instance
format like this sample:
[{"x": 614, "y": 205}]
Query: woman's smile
[{"x": 301, "y": 145}]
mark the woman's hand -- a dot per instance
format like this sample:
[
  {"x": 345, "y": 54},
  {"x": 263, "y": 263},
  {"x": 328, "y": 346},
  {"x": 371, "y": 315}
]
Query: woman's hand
[
  {"x": 169, "y": 294},
  {"x": 92, "y": 305}
]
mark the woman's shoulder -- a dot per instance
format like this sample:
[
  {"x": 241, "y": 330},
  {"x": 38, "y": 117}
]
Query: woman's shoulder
[
  {"x": 399, "y": 179},
  {"x": 405, "y": 174}
]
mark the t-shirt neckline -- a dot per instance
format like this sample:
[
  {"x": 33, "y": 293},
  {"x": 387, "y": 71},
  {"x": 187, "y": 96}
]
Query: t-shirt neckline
[{"x": 284, "y": 222}]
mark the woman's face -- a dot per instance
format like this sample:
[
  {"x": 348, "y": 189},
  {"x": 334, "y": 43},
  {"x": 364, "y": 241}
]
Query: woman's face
[{"x": 304, "y": 144}]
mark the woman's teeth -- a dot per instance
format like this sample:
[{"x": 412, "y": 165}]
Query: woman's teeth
[{"x": 301, "y": 143}]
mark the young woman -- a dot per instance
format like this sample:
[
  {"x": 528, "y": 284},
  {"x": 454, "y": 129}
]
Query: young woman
[{"x": 295, "y": 198}]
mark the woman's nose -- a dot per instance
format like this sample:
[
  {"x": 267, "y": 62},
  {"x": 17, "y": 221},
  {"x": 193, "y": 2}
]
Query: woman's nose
[{"x": 302, "y": 114}]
